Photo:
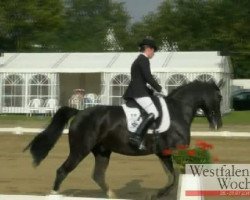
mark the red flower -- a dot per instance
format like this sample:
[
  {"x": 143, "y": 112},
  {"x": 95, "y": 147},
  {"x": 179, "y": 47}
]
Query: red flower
[
  {"x": 203, "y": 145},
  {"x": 191, "y": 152},
  {"x": 167, "y": 152}
]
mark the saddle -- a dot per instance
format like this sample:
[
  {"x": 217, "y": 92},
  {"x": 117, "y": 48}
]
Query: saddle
[{"x": 135, "y": 114}]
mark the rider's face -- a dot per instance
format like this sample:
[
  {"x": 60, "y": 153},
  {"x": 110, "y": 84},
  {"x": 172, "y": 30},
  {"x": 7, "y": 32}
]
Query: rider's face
[{"x": 149, "y": 52}]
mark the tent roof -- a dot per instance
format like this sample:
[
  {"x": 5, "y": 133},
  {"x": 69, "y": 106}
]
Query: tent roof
[{"x": 112, "y": 62}]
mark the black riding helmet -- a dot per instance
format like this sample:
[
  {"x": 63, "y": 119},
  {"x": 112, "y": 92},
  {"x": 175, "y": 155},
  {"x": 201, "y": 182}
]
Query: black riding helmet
[{"x": 148, "y": 42}]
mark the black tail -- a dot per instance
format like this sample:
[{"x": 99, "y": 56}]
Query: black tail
[{"x": 45, "y": 141}]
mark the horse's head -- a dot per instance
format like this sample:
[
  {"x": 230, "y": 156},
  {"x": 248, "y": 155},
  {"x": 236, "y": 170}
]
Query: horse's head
[{"x": 211, "y": 100}]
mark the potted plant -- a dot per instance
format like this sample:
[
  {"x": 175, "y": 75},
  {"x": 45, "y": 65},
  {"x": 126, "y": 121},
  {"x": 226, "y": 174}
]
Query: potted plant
[{"x": 197, "y": 154}]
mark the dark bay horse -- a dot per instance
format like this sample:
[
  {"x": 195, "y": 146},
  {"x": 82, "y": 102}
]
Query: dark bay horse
[{"x": 103, "y": 130}]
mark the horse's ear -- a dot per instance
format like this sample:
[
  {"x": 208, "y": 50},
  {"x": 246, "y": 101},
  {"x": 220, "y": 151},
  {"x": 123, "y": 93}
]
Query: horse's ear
[
  {"x": 211, "y": 81},
  {"x": 221, "y": 83}
]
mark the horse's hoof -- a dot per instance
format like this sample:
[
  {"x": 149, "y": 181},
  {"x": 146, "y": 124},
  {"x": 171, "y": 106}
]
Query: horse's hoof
[
  {"x": 111, "y": 194},
  {"x": 53, "y": 196},
  {"x": 53, "y": 192}
]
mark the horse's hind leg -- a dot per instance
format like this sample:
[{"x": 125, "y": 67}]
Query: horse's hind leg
[
  {"x": 68, "y": 166},
  {"x": 101, "y": 164}
]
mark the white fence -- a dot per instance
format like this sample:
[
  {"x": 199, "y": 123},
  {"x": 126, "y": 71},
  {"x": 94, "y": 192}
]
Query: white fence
[
  {"x": 49, "y": 197},
  {"x": 21, "y": 130}
]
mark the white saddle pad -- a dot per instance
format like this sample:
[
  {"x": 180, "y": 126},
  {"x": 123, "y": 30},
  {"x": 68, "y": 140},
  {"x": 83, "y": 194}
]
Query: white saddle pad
[{"x": 134, "y": 119}]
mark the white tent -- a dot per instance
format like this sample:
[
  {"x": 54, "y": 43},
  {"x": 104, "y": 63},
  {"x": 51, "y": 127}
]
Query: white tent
[
  {"x": 112, "y": 62},
  {"x": 25, "y": 76}
]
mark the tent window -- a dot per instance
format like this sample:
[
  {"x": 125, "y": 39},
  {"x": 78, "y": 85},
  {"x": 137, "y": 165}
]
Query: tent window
[
  {"x": 13, "y": 91},
  {"x": 205, "y": 77},
  {"x": 175, "y": 81},
  {"x": 39, "y": 87},
  {"x": 118, "y": 86}
]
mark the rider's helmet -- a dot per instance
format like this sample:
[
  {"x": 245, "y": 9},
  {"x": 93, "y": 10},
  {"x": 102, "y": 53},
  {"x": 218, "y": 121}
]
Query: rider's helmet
[{"x": 148, "y": 41}]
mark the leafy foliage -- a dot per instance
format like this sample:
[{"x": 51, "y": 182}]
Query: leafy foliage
[
  {"x": 204, "y": 25},
  {"x": 29, "y": 24},
  {"x": 87, "y": 23},
  {"x": 199, "y": 154},
  {"x": 82, "y": 25}
]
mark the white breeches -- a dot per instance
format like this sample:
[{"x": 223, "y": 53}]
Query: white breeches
[{"x": 147, "y": 104}]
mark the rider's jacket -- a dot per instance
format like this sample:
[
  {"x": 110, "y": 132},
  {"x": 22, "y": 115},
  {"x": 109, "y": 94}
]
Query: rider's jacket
[{"x": 140, "y": 76}]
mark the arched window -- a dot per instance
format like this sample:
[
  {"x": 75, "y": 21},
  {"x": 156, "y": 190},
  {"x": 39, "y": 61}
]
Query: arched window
[
  {"x": 13, "y": 91},
  {"x": 205, "y": 77},
  {"x": 175, "y": 81},
  {"x": 118, "y": 86},
  {"x": 39, "y": 87}
]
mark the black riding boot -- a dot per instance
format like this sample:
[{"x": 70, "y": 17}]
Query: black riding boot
[{"x": 136, "y": 138}]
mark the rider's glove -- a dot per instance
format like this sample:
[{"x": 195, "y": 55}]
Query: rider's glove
[{"x": 164, "y": 92}]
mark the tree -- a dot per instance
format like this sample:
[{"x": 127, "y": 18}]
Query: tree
[
  {"x": 87, "y": 23},
  {"x": 29, "y": 23},
  {"x": 203, "y": 25},
  {"x": 49, "y": 19},
  {"x": 17, "y": 21},
  {"x": 165, "y": 46}
]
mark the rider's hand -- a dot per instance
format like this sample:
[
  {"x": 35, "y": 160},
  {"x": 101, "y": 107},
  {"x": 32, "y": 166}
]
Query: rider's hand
[{"x": 164, "y": 92}]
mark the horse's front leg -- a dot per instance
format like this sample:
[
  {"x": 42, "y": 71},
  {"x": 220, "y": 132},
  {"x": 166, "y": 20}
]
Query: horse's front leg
[
  {"x": 102, "y": 157},
  {"x": 172, "y": 180}
]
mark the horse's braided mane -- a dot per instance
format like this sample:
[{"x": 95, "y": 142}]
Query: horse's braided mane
[{"x": 192, "y": 85}]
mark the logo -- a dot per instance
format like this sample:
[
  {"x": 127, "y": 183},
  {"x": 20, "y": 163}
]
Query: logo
[{"x": 218, "y": 180}]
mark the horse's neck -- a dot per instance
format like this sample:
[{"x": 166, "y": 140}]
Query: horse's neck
[{"x": 188, "y": 104}]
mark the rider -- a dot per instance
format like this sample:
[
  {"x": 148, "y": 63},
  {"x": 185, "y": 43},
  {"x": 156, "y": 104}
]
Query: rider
[{"x": 138, "y": 90}]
